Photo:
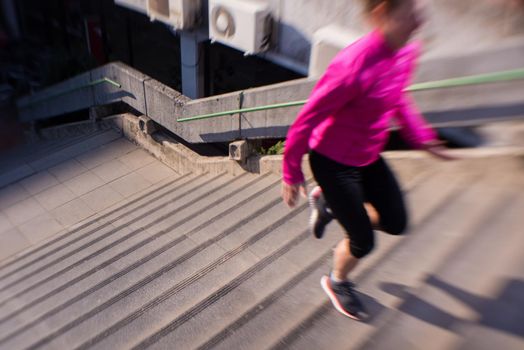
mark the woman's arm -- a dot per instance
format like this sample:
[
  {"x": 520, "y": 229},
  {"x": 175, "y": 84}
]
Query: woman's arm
[
  {"x": 336, "y": 88},
  {"x": 413, "y": 127},
  {"x": 417, "y": 132}
]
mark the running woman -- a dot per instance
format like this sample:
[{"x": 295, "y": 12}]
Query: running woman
[{"x": 345, "y": 126}]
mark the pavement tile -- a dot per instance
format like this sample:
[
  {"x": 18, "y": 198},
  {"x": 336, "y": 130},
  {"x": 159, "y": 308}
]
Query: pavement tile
[
  {"x": 72, "y": 212},
  {"x": 40, "y": 228},
  {"x": 84, "y": 183},
  {"x": 55, "y": 196},
  {"x": 102, "y": 198},
  {"x": 94, "y": 158},
  {"x": 156, "y": 171},
  {"x": 67, "y": 170},
  {"x": 137, "y": 159},
  {"x": 39, "y": 182},
  {"x": 111, "y": 170},
  {"x": 24, "y": 210},
  {"x": 12, "y": 242},
  {"x": 120, "y": 147},
  {"x": 5, "y": 224},
  {"x": 12, "y": 194},
  {"x": 130, "y": 184}
]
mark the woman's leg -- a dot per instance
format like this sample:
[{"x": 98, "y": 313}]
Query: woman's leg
[
  {"x": 383, "y": 191},
  {"x": 343, "y": 261},
  {"x": 342, "y": 190}
]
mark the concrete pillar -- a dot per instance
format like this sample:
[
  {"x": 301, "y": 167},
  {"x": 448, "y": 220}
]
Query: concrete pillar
[
  {"x": 193, "y": 73},
  {"x": 11, "y": 18}
]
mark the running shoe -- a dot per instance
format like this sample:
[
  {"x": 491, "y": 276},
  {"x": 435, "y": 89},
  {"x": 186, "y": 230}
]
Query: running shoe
[
  {"x": 344, "y": 298},
  {"x": 320, "y": 214}
]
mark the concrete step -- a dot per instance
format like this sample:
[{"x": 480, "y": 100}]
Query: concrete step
[
  {"x": 221, "y": 189},
  {"x": 164, "y": 218},
  {"x": 98, "y": 269},
  {"x": 182, "y": 293},
  {"x": 97, "y": 240},
  {"x": 249, "y": 298},
  {"x": 148, "y": 269},
  {"x": 410, "y": 263},
  {"x": 465, "y": 302},
  {"x": 82, "y": 231},
  {"x": 233, "y": 210},
  {"x": 80, "y": 270},
  {"x": 239, "y": 295},
  {"x": 277, "y": 316},
  {"x": 218, "y": 261},
  {"x": 147, "y": 240}
]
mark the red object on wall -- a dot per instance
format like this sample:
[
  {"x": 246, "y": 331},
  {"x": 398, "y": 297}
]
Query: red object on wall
[{"x": 95, "y": 42}]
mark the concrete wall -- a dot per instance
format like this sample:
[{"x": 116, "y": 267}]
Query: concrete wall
[
  {"x": 463, "y": 26},
  {"x": 54, "y": 100},
  {"x": 457, "y": 27},
  {"x": 454, "y": 27},
  {"x": 273, "y": 122},
  {"x": 299, "y": 19},
  {"x": 443, "y": 107},
  {"x": 131, "y": 81}
]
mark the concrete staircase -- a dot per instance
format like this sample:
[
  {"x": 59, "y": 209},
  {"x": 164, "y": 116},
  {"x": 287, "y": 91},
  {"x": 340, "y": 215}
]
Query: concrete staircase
[{"x": 217, "y": 261}]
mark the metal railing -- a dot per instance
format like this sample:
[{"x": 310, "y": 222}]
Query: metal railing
[{"x": 439, "y": 84}]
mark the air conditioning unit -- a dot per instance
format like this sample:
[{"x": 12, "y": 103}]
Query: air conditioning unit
[
  {"x": 327, "y": 43},
  {"x": 181, "y": 14},
  {"x": 242, "y": 24},
  {"x": 135, "y": 5}
]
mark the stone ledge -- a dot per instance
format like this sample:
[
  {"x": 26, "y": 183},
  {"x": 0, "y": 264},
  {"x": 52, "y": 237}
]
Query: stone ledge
[{"x": 407, "y": 164}]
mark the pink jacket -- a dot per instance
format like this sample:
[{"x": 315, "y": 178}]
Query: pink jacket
[{"x": 347, "y": 117}]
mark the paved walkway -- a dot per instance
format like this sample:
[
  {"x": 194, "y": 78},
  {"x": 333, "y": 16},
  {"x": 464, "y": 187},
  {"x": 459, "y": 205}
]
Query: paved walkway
[{"x": 51, "y": 187}]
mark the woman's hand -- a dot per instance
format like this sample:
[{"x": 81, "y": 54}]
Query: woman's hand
[
  {"x": 290, "y": 193},
  {"x": 437, "y": 149}
]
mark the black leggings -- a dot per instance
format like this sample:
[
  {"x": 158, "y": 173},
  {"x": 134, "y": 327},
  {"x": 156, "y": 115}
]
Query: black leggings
[{"x": 346, "y": 188}]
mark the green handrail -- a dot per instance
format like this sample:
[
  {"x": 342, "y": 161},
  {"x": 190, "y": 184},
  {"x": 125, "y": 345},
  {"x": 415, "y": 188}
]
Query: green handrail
[
  {"x": 497, "y": 77},
  {"x": 80, "y": 87},
  {"x": 439, "y": 84},
  {"x": 244, "y": 110}
]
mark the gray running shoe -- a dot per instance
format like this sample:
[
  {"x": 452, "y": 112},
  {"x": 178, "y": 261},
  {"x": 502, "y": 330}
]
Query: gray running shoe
[
  {"x": 320, "y": 215},
  {"x": 344, "y": 298}
]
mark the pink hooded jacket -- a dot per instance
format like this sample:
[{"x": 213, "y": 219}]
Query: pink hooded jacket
[{"x": 347, "y": 117}]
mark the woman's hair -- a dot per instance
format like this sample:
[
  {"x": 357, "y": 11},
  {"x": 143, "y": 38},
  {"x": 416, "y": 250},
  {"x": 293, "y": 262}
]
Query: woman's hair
[{"x": 390, "y": 4}]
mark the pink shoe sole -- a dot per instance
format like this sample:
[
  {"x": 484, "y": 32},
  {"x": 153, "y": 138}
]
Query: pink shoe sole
[{"x": 326, "y": 285}]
